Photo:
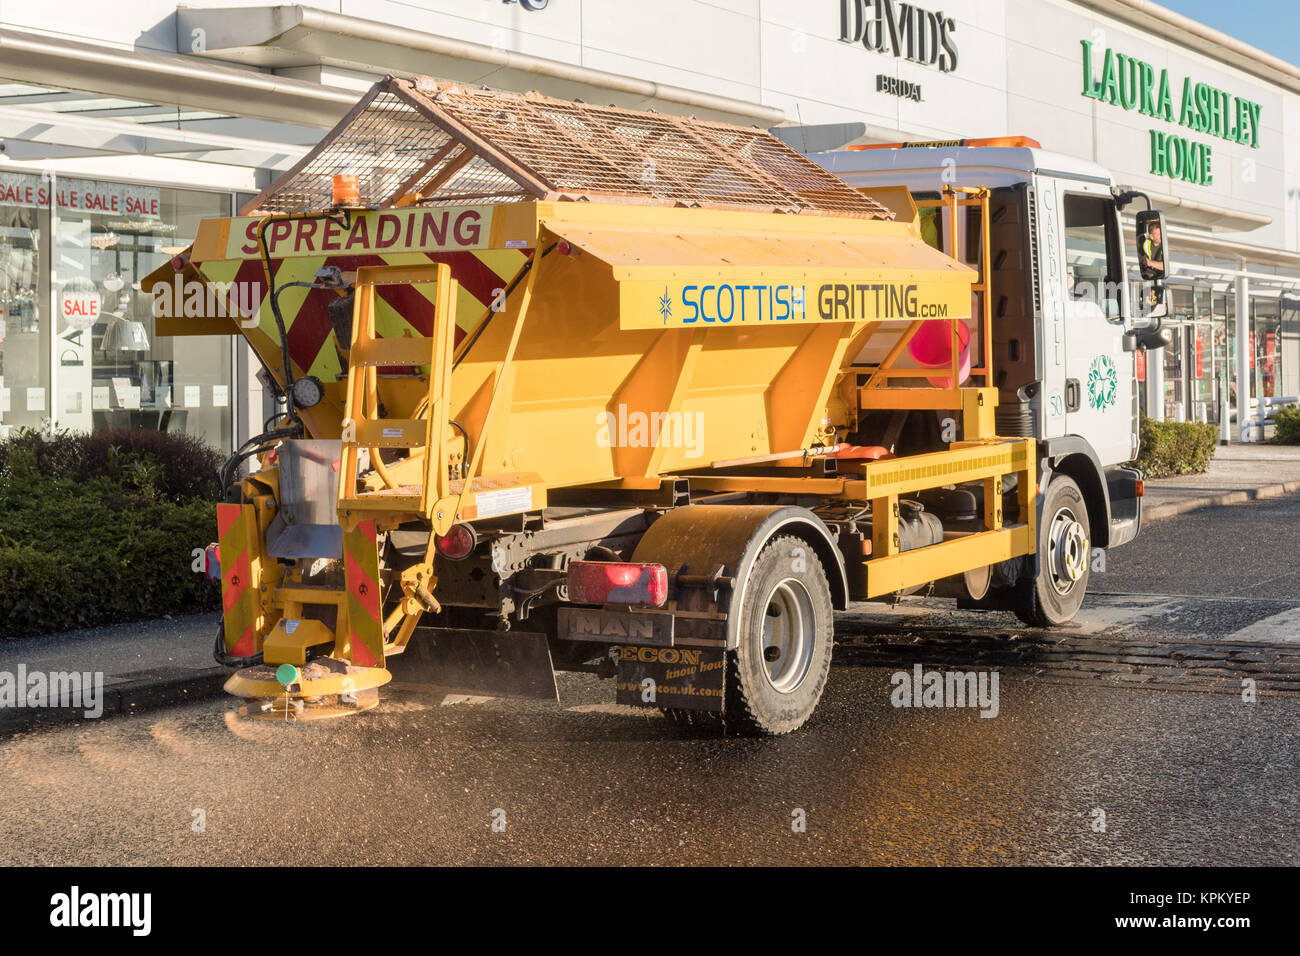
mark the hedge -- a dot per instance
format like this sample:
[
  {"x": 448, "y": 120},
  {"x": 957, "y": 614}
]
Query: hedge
[
  {"x": 94, "y": 532},
  {"x": 1287, "y": 422},
  {"x": 179, "y": 467},
  {"x": 1168, "y": 449}
]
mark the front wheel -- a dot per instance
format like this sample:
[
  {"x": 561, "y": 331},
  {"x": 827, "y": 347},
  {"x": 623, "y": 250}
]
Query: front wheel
[
  {"x": 1054, "y": 594},
  {"x": 777, "y": 673}
]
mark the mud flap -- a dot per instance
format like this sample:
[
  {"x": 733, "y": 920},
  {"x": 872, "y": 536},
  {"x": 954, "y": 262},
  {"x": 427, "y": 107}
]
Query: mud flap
[
  {"x": 684, "y": 678},
  {"x": 361, "y": 568},
  {"x": 452, "y": 660},
  {"x": 240, "y": 571}
]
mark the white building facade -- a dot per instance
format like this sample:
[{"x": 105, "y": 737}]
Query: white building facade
[{"x": 125, "y": 124}]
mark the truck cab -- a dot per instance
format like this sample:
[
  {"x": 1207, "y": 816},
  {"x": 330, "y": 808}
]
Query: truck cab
[{"x": 1064, "y": 324}]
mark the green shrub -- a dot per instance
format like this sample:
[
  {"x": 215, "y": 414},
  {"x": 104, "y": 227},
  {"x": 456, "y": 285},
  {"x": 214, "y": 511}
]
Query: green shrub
[
  {"x": 1175, "y": 448},
  {"x": 36, "y": 592},
  {"x": 98, "y": 530},
  {"x": 1287, "y": 422},
  {"x": 177, "y": 467}
]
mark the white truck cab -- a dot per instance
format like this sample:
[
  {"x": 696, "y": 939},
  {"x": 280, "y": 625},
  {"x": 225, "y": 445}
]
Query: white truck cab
[{"x": 1064, "y": 326}]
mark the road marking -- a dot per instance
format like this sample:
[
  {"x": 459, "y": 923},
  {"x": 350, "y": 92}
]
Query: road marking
[
  {"x": 436, "y": 690},
  {"x": 1122, "y": 612},
  {"x": 619, "y": 710},
  {"x": 451, "y": 699},
  {"x": 1283, "y": 628}
]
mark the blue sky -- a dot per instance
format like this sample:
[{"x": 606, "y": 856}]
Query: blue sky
[{"x": 1271, "y": 25}]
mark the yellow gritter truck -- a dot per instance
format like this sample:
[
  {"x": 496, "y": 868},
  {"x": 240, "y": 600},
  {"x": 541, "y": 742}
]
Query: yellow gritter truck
[{"x": 569, "y": 387}]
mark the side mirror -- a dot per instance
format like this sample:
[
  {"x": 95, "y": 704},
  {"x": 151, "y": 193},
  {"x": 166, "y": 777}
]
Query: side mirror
[
  {"x": 1147, "y": 340},
  {"x": 1154, "y": 305},
  {"x": 1152, "y": 248}
]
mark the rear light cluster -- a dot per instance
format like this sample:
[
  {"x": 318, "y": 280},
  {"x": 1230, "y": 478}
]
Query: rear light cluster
[
  {"x": 457, "y": 543},
  {"x": 618, "y": 582},
  {"x": 212, "y": 562}
]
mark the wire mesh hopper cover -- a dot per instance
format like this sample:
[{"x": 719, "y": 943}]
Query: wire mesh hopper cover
[{"x": 453, "y": 145}]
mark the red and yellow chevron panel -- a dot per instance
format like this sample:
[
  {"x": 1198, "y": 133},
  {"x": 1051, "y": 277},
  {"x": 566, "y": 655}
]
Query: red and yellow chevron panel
[
  {"x": 236, "y": 528},
  {"x": 401, "y": 309},
  {"x": 361, "y": 570}
]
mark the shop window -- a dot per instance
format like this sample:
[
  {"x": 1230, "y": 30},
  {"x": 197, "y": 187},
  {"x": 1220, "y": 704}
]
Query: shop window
[
  {"x": 1290, "y": 322},
  {"x": 1182, "y": 330},
  {"x": 1202, "y": 392},
  {"x": 1224, "y": 369},
  {"x": 24, "y": 312},
  {"x": 112, "y": 369},
  {"x": 1229, "y": 304},
  {"x": 1266, "y": 356},
  {"x": 1092, "y": 278}
]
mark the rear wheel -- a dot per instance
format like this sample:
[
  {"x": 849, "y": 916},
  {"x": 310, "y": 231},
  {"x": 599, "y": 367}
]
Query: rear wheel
[
  {"x": 776, "y": 675},
  {"x": 1054, "y": 594}
]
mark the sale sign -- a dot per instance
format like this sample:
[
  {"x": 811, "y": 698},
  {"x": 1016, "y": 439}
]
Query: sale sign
[
  {"x": 82, "y": 195},
  {"x": 17, "y": 189},
  {"x": 120, "y": 199},
  {"x": 79, "y": 306}
]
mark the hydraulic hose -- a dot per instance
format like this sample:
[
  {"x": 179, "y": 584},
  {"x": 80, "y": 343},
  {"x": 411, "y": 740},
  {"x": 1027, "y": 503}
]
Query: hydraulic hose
[
  {"x": 487, "y": 318},
  {"x": 259, "y": 443},
  {"x": 269, "y": 270}
]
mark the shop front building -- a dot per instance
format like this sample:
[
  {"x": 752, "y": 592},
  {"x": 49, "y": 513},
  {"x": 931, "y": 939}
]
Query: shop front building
[
  {"x": 77, "y": 341},
  {"x": 123, "y": 127}
]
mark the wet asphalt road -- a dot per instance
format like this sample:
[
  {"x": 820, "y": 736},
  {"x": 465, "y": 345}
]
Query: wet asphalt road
[{"x": 1184, "y": 773}]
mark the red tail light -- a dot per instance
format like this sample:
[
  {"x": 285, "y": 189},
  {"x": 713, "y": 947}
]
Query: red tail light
[
  {"x": 179, "y": 262},
  {"x": 616, "y": 582},
  {"x": 457, "y": 543}
]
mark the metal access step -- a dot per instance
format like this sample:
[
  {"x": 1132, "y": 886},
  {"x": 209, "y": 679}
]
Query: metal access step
[
  {"x": 366, "y": 426},
  {"x": 401, "y": 498},
  {"x": 390, "y": 433},
  {"x": 385, "y": 353}
]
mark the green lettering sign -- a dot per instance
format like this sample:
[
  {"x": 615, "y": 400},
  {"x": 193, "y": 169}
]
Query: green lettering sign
[{"x": 1133, "y": 84}]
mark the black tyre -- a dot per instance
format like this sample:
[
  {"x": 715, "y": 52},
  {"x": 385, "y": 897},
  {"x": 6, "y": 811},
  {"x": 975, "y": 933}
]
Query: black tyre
[
  {"x": 1054, "y": 594},
  {"x": 776, "y": 675}
]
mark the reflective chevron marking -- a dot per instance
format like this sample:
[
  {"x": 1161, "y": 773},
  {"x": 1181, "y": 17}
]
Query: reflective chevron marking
[
  {"x": 361, "y": 561},
  {"x": 234, "y": 523}
]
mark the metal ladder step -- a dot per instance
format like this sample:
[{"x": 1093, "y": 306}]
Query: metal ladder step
[
  {"x": 385, "y": 353},
  {"x": 413, "y": 356}
]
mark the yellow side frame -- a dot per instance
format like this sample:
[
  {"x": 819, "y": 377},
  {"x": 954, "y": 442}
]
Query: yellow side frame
[{"x": 891, "y": 569}]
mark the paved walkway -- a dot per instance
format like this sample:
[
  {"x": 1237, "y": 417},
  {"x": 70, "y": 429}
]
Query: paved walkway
[
  {"x": 1238, "y": 473},
  {"x": 153, "y": 663},
  {"x": 144, "y": 664}
]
